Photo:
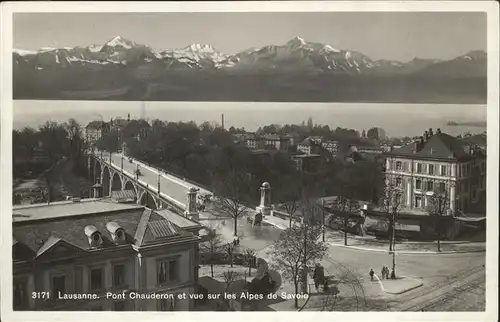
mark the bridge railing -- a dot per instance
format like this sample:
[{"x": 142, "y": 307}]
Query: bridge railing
[
  {"x": 178, "y": 204},
  {"x": 166, "y": 172}
]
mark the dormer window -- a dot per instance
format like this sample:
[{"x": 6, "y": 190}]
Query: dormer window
[
  {"x": 94, "y": 236},
  {"x": 116, "y": 231}
]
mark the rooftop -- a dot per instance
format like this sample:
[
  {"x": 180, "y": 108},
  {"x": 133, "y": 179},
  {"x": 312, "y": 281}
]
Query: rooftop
[
  {"x": 177, "y": 219},
  {"x": 66, "y": 228},
  {"x": 436, "y": 146},
  {"x": 61, "y": 209}
]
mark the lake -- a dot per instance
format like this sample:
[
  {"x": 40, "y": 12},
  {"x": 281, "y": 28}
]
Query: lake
[{"x": 396, "y": 119}]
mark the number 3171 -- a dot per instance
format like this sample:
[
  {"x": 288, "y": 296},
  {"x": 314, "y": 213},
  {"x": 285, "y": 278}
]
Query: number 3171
[{"x": 40, "y": 295}]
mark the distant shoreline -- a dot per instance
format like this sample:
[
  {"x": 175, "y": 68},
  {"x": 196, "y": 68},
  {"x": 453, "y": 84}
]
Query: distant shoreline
[{"x": 473, "y": 124}]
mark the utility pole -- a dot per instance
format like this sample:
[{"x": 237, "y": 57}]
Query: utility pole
[
  {"x": 323, "y": 217},
  {"x": 394, "y": 243}
]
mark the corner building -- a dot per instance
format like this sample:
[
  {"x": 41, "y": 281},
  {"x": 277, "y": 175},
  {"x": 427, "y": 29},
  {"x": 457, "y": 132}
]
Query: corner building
[
  {"x": 95, "y": 246},
  {"x": 438, "y": 162}
]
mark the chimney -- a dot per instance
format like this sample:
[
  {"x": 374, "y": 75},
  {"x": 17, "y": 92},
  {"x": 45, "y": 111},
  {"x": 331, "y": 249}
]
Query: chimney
[
  {"x": 426, "y": 136},
  {"x": 421, "y": 143},
  {"x": 431, "y": 133},
  {"x": 222, "y": 122}
]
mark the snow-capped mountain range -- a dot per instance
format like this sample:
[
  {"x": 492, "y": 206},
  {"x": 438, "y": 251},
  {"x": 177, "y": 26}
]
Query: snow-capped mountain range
[
  {"x": 297, "y": 70},
  {"x": 297, "y": 55}
]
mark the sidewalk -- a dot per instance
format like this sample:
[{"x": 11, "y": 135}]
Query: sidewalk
[
  {"x": 400, "y": 285},
  {"x": 371, "y": 243}
]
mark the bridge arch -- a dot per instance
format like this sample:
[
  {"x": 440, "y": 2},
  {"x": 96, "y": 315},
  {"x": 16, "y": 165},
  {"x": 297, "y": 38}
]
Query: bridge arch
[
  {"x": 130, "y": 186},
  {"x": 148, "y": 200},
  {"x": 97, "y": 172},
  {"x": 106, "y": 179},
  {"x": 116, "y": 182}
]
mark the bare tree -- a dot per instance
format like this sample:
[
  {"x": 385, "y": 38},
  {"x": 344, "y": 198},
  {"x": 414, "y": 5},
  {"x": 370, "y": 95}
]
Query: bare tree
[
  {"x": 249, "y": 259},
  {"x": 392, "y": 204},
  {"x": 438, "y": 205},
  {"x": 288, "y": 197},
  {"x": 345, "y": 204},
  {"x": 231, "y": 190},
  {"x": 229, "y": 249},
  {"x": 210, "y": 248},
  {"x": 229, "y": 278},
  {"x": 296, "y": 248}
]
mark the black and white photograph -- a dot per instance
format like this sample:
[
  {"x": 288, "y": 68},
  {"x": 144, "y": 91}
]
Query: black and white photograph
[{"x": 269, "y": 157}]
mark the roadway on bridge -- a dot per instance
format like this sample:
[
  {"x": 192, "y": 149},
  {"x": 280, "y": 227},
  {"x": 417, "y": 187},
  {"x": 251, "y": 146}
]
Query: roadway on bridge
[{"x": 169, "y": 185}]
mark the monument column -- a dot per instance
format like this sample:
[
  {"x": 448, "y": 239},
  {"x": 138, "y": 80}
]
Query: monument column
[
  {"x": 191, "y": 211},
  {"x": 264, "y": 209}
]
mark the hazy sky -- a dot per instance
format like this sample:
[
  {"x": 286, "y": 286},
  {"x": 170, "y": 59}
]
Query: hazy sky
[{"x": 380, "y": 35}]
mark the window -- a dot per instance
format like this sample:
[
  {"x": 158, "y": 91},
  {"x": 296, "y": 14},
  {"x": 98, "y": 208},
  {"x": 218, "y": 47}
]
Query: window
[
  {"x": 398, "y": 182},
  {"x": 418, "y": 202},
  {"x": 443, "y": 170},
  {"x": 167, "y": 271},
  {"x": 442, "y": 187},
  {"x": 167, "y": 304},
  {"x": 119, "y": 306},
  {"x": 431, "y": 168},
  {"x": 58, "y": 285},
  {"x": 419, "y": 167},
  {"x": 20, "y": 294},
  {"x": 430, "y": 185},
  {"x": 418, "y": 184},
  {"x": 96, "y": 279},
  {"x": 118, "y": 275},
  {"x": 399, "y": 166}
]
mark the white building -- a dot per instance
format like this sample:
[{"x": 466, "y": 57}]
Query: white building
[{"x": 437, "y": 162}]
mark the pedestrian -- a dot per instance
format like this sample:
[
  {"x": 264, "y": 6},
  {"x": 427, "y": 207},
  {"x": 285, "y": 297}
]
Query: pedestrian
[
  {"x": 386, "y": 272},
  {"x": 371, "y": 274},
  {"x": 238, "y": 241}
]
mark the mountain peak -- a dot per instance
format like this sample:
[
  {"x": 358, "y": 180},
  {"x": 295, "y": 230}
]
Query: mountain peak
[
  {"x": 296, "y": 41},
  {"x": 200, "y": 48},
  {"x": 120, "y": 41}
]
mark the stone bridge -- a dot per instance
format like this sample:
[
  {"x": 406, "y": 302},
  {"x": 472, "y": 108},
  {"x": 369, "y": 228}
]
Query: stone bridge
[{"x": 153, "y": 187}]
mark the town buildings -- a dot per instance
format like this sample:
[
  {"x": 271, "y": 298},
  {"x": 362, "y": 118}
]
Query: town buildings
[
  {"x": 97, "y": 247},
  {"x": 255, "y": 141},
  {"x": 438, "y": 162},
  {"x": 95, "y": 130}
]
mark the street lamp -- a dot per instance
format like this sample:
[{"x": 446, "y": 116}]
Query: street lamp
[
  {"x": 122, "y": 163},
  {"x": 159, "y": 174}
]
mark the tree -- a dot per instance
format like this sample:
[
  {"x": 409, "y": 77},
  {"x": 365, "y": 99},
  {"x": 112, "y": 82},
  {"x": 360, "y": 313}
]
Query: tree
[
  {"x": 229, "y": 249},
  {"x": 392, "y": 205},
  {"x": 288, "y": 196},
  {"x": 438, "y": 205},
  {"x": 229, "y": 278},
  {"x": 76, "y": 144},
  {"x": 210, "y": 248},
  {"x": 296, "y": 248},
  {"x": 345, "y": 203},
  {"x": 231, "y": 189},
  {"x": 249, "y": 259}
]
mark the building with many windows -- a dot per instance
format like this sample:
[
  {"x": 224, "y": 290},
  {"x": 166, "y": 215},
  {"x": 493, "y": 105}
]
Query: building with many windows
[
  {"x": 84, "y": 254},
  {"x": 96, "y": 130},
  {"x": 438, "y": 162}
]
